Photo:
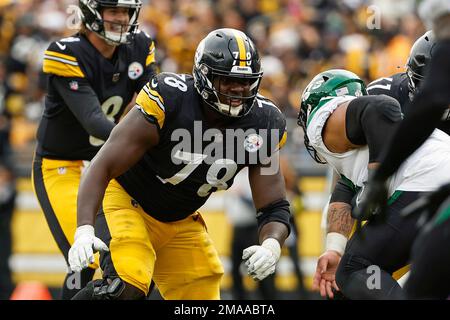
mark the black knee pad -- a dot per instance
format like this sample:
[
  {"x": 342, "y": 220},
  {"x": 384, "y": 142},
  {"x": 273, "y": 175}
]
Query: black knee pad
[
  {"x": 117, "y": 289},
  {"x": 109, "y": 289},
  {"x": 371, "y": 120}
]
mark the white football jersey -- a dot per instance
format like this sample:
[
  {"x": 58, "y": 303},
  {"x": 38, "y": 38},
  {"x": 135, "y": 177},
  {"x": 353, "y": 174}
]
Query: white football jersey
[{"x": 425, "y": 170}]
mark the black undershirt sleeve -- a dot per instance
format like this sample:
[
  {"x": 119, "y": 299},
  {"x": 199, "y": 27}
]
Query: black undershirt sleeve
[
  {"x": 84, "y": 104},
  {"x": 425, "y": 113},
  {"x": 342, "y": 192}
]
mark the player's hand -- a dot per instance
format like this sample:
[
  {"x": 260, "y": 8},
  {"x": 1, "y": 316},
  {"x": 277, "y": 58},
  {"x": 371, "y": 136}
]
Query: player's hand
[
  {"x": 370, "y": 200},
  {"x": 261, "y": 260},
  {"x": 81, "y": 253},
  {"x": 325, "y": 276}
]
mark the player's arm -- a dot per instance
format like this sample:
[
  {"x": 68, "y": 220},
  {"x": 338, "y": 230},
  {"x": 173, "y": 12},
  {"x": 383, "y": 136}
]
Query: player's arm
[
  {"x": 84, "y": 104},
  {"x": 273, "y": 212},
  {"x": 273, "y": 215},
  {"x": 339, "y": 226},
  {"x": 269, "y": 197},
  {"x": 137, "y": 133},
  {"x": 339, "y": 220},
  {"x": 128, "y": 142},
  {"x": 68, "y": 81}
]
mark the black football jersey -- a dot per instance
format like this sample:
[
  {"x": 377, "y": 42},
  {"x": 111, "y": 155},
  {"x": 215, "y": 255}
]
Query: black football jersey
[
  {"x": 114, "y": 81},
  {"x": 193, "y": 158},
  {"x": 396, "y": 87}
]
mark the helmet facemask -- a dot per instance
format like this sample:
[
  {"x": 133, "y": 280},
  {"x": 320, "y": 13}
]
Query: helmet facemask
[
  {"x": 419, "y": 56},
  {"x": 302, "y": 121},
  {"x": 226, "y": 90},
  {"x": 414, "y": 80}
]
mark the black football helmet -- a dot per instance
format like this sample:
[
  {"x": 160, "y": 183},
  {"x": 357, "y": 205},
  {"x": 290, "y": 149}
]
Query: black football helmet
[
  {"x": 419, "y": 57},
  {"x": 227, "y": 55},
  {"x": 91, "y": 16}
]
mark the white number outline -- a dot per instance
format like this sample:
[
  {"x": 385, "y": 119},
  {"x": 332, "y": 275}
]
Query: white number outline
[{"x": 193, "y": 161}]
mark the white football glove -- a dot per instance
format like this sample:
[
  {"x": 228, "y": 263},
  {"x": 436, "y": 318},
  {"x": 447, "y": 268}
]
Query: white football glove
[
  {"x": 261, "y": 260},
  {"x": 81, "y": 253}
]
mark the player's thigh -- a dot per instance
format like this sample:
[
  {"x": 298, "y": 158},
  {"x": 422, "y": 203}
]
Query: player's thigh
[
  {"x": 387, "y": 242},
  {"x": 188, "y": 266},
  {"x": 56, "y": 185},
  {"x": 123, "y": 228}
]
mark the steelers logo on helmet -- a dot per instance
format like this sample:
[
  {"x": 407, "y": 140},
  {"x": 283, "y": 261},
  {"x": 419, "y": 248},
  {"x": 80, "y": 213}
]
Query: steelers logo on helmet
[
  {"x": 253, "y": 142},
  {"x": 135, "y": 70},
  {"x": 227, "y": 72}
]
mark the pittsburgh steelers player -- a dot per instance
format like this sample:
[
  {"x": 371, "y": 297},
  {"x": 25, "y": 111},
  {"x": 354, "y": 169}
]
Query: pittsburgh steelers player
[
  {"x": 92, "y": 77},
  {"x": 153, "y": 181}
]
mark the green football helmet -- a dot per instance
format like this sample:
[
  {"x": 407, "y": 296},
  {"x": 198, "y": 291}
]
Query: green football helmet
[{"x": 330, "y": 83}]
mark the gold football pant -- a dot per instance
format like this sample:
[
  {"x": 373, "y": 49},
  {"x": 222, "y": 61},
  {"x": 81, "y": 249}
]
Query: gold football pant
[
  {"x": 179, "y": 256},
  {"x": 55, "y": 184}
]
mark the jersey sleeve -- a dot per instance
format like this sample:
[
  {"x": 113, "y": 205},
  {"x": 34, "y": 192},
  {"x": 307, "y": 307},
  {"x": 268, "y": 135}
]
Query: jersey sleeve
[
  {"x": 59, "y": 60},
  {"x": 150, "y": 102},
  {"x": 160, "y": 97},
  {"x": 146, "y": 45}
]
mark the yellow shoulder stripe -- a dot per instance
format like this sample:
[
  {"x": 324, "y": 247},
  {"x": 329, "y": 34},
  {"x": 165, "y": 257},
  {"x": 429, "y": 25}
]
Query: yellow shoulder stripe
[
  {"x": 151, "y": 55},
  {"x": 60, "y": 55},
  {"x": 62, "y": 69},
  {"x": 151, "y": 105}
]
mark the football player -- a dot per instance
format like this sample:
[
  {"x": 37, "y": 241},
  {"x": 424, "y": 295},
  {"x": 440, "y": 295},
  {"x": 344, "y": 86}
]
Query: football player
[
  {"x": 348, "y": 130},
  {"x": 427, "y": 109},
  {"x": 187, "y": 137},
  {"x": 405, "y": 85},
  {"x": 92, "y": 77}
]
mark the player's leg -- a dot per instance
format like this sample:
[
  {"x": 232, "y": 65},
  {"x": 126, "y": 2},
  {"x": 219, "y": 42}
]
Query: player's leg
[
  {"x": 188, "y": 265},
  {"x": 56, "y": 184},
  {"x": 380, "y": 248},
  {"x": 430, "y": 276},
  {"x": 128, "y": 266}
]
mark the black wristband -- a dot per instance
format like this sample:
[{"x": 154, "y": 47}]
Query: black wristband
[{"x": 277, "y": 211}]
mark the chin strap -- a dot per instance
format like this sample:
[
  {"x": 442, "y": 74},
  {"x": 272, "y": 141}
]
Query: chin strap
[{"x": 229, "y": 110}]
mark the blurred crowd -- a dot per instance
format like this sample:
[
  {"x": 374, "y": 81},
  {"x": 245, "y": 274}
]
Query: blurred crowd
[{"x": 296, "y": 39}]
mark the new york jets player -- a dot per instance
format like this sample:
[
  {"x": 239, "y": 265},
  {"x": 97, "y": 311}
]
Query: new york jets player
[{"x": 348, "y": 130}]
